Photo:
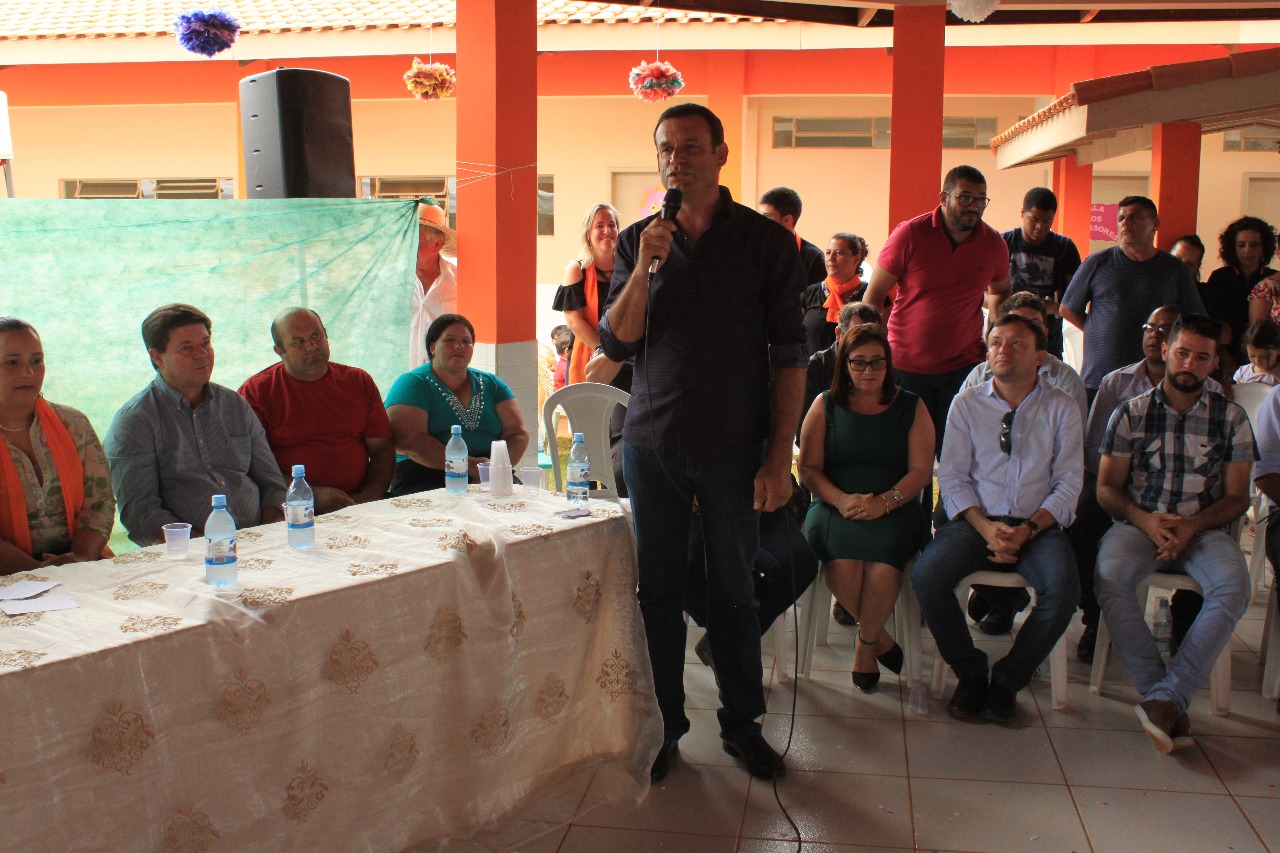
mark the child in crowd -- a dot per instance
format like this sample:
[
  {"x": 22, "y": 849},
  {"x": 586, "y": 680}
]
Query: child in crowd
[
  {"x": 562, "y": 340},
  {"x": 1262, "y": 344}
]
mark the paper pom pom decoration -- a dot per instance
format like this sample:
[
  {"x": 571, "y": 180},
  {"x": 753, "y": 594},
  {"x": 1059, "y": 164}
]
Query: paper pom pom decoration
[
  {"x": 655, "y": 81},
  {"x": 430, "y": 81},
  {"x": 974, "y": 11},
  {"x": 206, "y": 31}
]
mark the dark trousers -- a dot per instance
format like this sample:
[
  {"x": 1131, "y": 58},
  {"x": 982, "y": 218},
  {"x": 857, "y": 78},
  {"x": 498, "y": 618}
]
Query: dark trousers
[
  {"x": 937, "y": 390},
  {"x": 662, "y": 490},
  {"x": 1092, "y": 523},
  {"x": 784, "y": 567},
  {"x": 1054, "y": 331}
]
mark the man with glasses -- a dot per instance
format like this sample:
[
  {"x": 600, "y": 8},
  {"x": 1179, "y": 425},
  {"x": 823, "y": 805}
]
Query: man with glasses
[
  {"x": 1122, "y": 285},
  {"x": 1174, "y": 473},
  {"x": 1092, "y": 522},
  {"x": 944, "y": 263},
  {"x": 1009, "y": 479}
]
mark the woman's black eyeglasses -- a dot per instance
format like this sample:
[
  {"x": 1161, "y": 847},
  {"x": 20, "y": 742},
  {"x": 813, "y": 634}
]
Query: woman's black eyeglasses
[
  {"x": 861, "y": 365},
  {"x": 1006, "y": 427}
]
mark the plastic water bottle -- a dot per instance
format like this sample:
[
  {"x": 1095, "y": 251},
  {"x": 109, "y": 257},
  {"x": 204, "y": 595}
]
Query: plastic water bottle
[
  {"x": 300, "y": 511},
  {"x": 455, "y": 463},
  {"x": 1162, "y": 628},
  {"x": 579, "y": 485},
  {"x": 220, "y": 567}
]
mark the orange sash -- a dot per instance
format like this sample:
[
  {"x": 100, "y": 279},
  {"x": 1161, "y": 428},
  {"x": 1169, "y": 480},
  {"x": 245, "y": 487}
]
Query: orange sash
[
  {"x": 70, "y": 471},
  {"x": 580, "y": 354},
  {"x": 835, "y": 295}
]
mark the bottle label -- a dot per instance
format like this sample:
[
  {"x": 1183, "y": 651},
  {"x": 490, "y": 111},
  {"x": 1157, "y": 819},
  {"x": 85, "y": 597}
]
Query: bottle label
[
  {"x": 579, "y": 473},
  {"x": 221, "y": 552},
  {"x": 456, "y": 467},
  {"x": 300, "y": 516}
]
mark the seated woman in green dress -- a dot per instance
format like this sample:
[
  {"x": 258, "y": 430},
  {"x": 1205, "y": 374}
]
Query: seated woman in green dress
[
  {"x": 425, "y": 403},
  {"x": 56, "y": 505},
  {"x": 866, "y": 452}
]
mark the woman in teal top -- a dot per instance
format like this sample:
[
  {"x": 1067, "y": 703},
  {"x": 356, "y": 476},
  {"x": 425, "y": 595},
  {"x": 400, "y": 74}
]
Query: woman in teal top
[
  {"x": 425, "y": 403},
  {"x": 866, "y": 451}
]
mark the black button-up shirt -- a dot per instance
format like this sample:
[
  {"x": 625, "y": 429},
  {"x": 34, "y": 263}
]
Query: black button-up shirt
[{"x": 723, "y": 311}]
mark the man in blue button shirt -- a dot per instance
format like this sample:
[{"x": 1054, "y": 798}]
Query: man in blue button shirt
[
  {"x": 719, "y": 373},
  {"x": 1009, "y": 479}
]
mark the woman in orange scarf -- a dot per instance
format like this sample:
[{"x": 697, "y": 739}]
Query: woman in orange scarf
[
  {"x": 56, "y": 504},
  {"x": 822, "y": 300},
  {"x": 586, "y": 286}
]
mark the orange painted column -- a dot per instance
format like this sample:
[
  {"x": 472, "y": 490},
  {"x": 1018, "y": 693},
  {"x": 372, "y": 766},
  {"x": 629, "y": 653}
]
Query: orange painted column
[
  {"x": 497, "y": 167},
  {"x": 1073, "y": 185},
  {"x": 726, "y": 97},
  {"x": 1175, "y": 179},
  {"x": 915, "y": 160}
]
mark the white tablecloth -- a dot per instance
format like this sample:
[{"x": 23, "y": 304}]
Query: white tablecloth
[{"x": 430, "y": 666}]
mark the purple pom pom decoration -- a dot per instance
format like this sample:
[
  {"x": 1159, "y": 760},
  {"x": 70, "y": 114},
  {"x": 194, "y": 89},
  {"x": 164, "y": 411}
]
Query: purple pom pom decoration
[{"x": 206, "y": 31}]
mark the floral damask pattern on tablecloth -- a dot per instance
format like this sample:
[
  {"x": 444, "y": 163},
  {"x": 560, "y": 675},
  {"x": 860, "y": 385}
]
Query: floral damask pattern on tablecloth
[
  {"x": 350, "y": 662},
  {"x": 244, "y": 701},
  {"x": 517, "y": 616},
  {"x": 9, "y": 580},
  {"x": 459, "y": 540},
  {"x": 431, "y": 522},
  {"x": 255, "y": 564},
  {"x": 446, "y": 634},
  {"x": 332, "y": 518},
  {"x": 346, "y": 540},
  {"x": 366, "y": 569},
  {"x": 492, "y": 728},
  {"x": 149, "y": 624},
  {"x": 265, "y": 596},
  {"x": 22, "y": 620},
  {"x": 552, "y": 699},
  {"x": 137, "y": 557},
  {"x": 617, "y": 677},
  {"x": 190, "y": 832},
  {"x": 303, "y": 794},
  {"x": 402, "y": 755},
  {"x": 411, "y": 503},
  {"x": 248, "y": 535},
  {"x": 587, "y": 597},
  {"x": 505, "y": 506},
  {"x": 19, "y": 658},
  {"x": 143, "y": 589},
  {"x": 532, "y": 529},
  {"x": 119, "y": 739}
]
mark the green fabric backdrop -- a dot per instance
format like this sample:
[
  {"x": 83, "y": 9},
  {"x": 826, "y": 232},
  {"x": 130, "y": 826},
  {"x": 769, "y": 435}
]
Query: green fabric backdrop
[{"x": 86, "y": 273}]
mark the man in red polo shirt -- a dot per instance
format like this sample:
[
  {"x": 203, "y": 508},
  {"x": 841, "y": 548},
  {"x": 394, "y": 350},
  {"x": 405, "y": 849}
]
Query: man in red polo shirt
[
  {"x": 944, "y": 264},
  {"x": 324, "y": 415}
]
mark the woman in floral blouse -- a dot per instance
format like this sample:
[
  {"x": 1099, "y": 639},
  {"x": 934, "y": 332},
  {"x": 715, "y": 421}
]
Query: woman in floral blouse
[{"x": 56, "y": 504}]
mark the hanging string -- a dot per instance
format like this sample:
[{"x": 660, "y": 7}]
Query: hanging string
[
  {"x": 467, "y": 175},
  {"x": 657, "y": 36},
  {"x": 431, "y": 42}
]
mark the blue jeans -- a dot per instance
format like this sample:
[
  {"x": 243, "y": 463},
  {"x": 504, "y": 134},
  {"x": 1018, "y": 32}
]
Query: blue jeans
[
  {"x": 957, "y": 551},
  {"x": 661, "y": 490},
  {"x": 1125, "y": 558}
]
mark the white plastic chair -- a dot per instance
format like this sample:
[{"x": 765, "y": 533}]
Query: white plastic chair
[
  {"x": 589, "y": 406},
  {"x": 1251, "y": 396},
  {"x": 1219, "y": 678},
  {"x": 1271, "y": 649},
  {"x": 1057, "y": 658}
]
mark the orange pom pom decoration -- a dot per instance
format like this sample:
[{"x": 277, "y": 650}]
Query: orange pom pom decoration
[
  {"x": 655, "y": 81},
  {"x": 430, "y": 81}
]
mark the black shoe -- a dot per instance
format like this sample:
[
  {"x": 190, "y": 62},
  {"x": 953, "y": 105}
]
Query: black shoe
[
  {"x": 999, "y": 619},
  {"x": 1001, "y": 703},
  {"x": 842, "y": 616},
  {"x": 866, "y": 681},
  {"x": 893, "y": 659},
  {"x": 760, "y": 759},
  {"x": 662, "y": 763},
  {"x": 970, "y": 697},
  {"x": 978, "y": 605},
  {"x": 1088, "y": 641},
  {"x": 703, "y": 651}
]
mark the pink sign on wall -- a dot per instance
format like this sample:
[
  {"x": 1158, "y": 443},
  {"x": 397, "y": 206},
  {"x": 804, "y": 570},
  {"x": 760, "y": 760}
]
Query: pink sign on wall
[{"x": 1102, "y": 221}]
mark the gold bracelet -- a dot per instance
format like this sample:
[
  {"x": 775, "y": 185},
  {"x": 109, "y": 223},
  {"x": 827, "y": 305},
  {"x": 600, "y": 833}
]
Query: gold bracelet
[
  {"x": 897, "y": 496},
  {"x": 887, "y": 509}
]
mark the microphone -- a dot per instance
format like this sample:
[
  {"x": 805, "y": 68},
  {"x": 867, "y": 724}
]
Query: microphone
[{"x": 670, "y": 207}]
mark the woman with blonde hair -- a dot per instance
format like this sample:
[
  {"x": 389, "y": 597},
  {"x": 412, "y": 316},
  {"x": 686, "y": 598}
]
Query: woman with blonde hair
[{"x": 586, "y": 285}]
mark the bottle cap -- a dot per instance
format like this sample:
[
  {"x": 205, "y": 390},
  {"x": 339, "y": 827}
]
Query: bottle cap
[
  {"x": 299, "y": 470},
  {"x": 577, "y": 437},
  {"x": 219, "y": 501},
  {"x": 457, "y": 429}
]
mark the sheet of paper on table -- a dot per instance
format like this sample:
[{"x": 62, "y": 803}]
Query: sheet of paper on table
[
  {"x": 56, "y": 601},
  {"x": 26, "y": 589}
]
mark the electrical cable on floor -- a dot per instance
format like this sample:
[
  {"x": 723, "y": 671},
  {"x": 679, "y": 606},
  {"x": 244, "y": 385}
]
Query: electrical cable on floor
[{"x": 791, "y": 728}]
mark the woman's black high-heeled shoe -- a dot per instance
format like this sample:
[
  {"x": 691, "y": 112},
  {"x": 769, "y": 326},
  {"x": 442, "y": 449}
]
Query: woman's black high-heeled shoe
[
  {"x": 892, "y": 660},
  {"x": 866, "y": 681}
]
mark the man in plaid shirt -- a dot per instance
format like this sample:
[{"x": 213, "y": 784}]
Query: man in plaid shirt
[{"x": 1174, "y": 472}]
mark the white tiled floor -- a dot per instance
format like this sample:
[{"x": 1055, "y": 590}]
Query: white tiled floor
[{"x": 865, "y": 774}]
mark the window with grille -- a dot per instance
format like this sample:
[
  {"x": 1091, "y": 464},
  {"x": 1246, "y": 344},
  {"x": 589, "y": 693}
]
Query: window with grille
[
  {"x": 169, "y": 188},
  {"x": 874, "y": 132},
  {"x": 1257, "y": 137}
]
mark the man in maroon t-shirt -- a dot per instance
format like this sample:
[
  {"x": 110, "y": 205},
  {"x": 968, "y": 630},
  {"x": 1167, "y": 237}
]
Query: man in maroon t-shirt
[
  {"x": 944, "y": 263},
  {"x": 324, "y": 415}
]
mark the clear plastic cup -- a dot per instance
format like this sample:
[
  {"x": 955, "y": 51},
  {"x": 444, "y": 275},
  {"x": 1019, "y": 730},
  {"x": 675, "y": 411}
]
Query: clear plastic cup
[
  {"x": 482, "y": 468},
  {"x": 177, "y": 539},
  {"x": 531, "y": 476}
]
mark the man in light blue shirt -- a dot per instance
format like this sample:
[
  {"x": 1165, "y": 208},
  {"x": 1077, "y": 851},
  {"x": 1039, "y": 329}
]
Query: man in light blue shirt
[
  {"x": 1010, "y": 478},
  {"x": 1266, "y": 475}
]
